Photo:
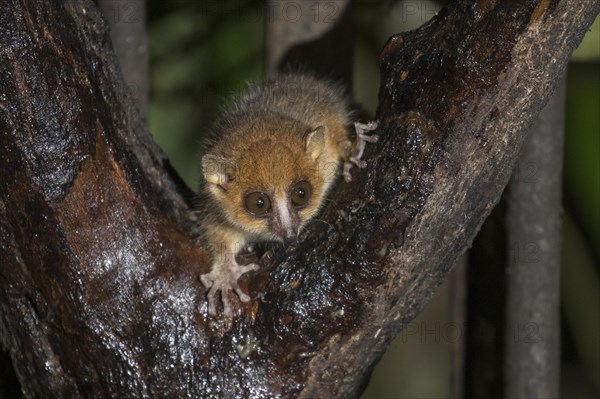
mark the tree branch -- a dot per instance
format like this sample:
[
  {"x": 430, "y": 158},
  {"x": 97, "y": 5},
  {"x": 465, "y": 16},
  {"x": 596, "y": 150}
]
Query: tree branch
[
  {"x": 127, "y": 20},
  {"x": 310, "y": 36},
  {"x": 532, "y": 362},
  {"x": 100, "y": 293}
]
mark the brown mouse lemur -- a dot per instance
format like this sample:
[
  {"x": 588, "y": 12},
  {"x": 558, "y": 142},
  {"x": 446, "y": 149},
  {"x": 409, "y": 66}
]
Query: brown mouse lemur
[{"x": 274, "y": 154}]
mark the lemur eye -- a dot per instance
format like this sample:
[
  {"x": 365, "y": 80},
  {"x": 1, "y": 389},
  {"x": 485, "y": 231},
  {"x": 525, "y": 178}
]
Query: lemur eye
[
  {"x": 300, "y": 193},
  {"x": 257, "y": 203}
]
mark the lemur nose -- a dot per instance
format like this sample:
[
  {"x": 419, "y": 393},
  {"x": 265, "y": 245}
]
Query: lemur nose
[{"x": 291, "y": 235}]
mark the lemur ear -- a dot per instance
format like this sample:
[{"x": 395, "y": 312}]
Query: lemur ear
[
  {"x": 218, "y": 170},
  {"x": 314, "y": 142}
]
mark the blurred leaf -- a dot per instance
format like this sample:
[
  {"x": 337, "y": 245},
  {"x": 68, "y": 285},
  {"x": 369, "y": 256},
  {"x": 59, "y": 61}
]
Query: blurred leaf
[
  {"x": 580, "y": 295},
  {"x": 200, "y": 54},
  {"x": 582, "y": 147},
  {"x": 589, "y": 49}
]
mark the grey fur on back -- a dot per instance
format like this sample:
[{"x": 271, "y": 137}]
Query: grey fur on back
[{"x": 300, "y": 97}]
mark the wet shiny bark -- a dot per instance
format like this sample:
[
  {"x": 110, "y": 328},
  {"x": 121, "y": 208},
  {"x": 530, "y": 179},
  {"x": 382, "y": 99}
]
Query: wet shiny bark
[{"x": 99, "y": 288}]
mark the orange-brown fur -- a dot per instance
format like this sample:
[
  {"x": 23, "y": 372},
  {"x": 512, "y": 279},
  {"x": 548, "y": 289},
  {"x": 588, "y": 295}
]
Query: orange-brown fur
[{"x": 293, "y": 129}]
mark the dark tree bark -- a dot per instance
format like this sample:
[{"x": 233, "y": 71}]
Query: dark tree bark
[{"x": 99, "y": 280}]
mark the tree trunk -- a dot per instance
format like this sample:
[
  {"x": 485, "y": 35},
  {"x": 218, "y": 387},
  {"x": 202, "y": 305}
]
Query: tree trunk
[{"x": 100, "y": 295}]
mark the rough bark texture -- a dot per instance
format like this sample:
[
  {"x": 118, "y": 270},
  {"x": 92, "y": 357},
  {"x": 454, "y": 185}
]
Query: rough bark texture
[
  {"x": 532, "y": 362},
  {"x": 99, "y": 291}
]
